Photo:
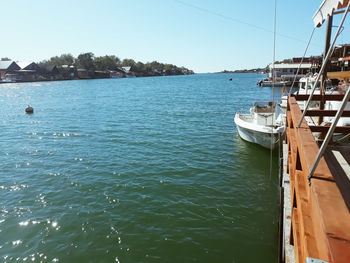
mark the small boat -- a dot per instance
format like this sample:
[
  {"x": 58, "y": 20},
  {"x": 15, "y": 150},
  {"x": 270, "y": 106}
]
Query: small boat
[
  {"x": 270, "y": 83},
  {"x": 260, "y": 126},
  {"x": 304, "y": 87}
]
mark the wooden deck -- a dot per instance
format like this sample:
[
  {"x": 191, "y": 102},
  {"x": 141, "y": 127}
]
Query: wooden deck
[{"x": 320, "y": 226}]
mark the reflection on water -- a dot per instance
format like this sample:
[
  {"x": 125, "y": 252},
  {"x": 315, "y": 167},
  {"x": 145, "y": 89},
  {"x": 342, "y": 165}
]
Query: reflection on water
[{"x": 134, "y": 170}]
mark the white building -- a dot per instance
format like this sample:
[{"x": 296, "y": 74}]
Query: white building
[{"x": 288, "y": 70}]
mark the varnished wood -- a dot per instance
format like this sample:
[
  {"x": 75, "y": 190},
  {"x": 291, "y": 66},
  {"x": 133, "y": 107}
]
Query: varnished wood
[
  {"x": 320, "y": 218},
  {"x": 344, "y": 75}
]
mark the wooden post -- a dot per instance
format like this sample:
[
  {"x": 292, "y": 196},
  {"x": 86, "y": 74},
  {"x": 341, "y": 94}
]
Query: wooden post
[{"x": 324, "y": 75}]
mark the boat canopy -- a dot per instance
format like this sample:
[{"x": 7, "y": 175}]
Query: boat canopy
[{"x": 326, "y": 9}]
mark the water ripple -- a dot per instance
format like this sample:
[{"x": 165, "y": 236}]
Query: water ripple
[{"x": 134, "y": 170}]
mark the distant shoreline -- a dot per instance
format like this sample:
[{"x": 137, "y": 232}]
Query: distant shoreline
[
  {"x": 256, "y": 70},
  {"x": 55, "y": 80}
]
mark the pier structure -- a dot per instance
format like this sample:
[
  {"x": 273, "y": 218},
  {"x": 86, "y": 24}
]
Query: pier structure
[{"x": 316, "y": 217}]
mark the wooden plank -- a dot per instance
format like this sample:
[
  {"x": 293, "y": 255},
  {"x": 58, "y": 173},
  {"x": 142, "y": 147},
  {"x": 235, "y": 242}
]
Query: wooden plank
[
  {"x": 292, "y": 162},
  {"x": 308, "y": 148},
  {"x": 329, "y": 113},
  {"x": 296, "y": 236},
  {"x": 341, "y": 249},
  {"x": 317, "y": 97},
  {"x": 344, "y": 75},
  {"x": 306, "y": 230},
  {"x": 338, "y": 129},
  {"x": 318, "y": 226},
  {"x": 335, "y": 218},
  {"x": 293, "y": 147},
  {"x": 320, "y": 220}
]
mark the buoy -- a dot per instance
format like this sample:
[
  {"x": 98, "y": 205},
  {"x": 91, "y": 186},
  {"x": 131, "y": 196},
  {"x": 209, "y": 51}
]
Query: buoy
[
  {"x": 29, "y": 110},
  {"x": 230, "y": 79}
]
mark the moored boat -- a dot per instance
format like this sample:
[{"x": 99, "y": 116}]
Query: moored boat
[
  {"x": 270, "y": 83},
  {"x": 260, "y": 126}
]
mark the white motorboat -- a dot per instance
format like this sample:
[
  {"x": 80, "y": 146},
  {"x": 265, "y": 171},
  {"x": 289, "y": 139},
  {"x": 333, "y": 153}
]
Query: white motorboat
[
  {"x": 305, "y": 87},
  {"x": 260, "y": 126}
]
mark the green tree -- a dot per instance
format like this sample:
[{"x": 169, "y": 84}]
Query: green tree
[
  {"x": 128, "y": 62},
  {"x": 139, "y": 67},
  {"x": 5, "y": 59},
  {"x": 156, "y": 65},
  {"x": 64, "y": 59},
  {"x": 86, "y": 61},
  {"x": 106, "y": 63}
]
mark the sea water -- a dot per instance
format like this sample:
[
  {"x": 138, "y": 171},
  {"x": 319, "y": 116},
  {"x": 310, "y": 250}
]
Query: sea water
[{"x": 135, "y": 170}]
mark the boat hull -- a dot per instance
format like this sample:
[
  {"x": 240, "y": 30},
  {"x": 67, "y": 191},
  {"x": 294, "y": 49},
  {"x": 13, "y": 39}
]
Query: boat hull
[
  {"x": 266, "y": 140},
  {"x": 265, "y": 136},
  {"x": 274, "y": 84}
]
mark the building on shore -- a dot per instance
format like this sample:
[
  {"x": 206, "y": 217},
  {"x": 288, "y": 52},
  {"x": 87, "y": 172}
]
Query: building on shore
[
  {"x": 102, "y": 74},
  {"x": 129, "y": 73},
  {"x": 28, "y": 66},
  {"x": 49, "y": 72},
  {"x": 11, "y": 71},
  {"x": 7, "y": 67},
  {"x": 26, "y": 71},
  {"x": 67, "y": 72},
  {"x": 83, "y": 73},
  {"x": 288, "y": 71}
]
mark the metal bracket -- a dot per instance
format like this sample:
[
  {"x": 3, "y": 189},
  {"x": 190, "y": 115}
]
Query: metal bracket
[
  {"x": 314, "y": 260},
  {"x": 309, "y": 178}
]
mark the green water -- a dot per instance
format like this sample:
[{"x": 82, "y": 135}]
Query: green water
[{"x": 135, "y": 170}]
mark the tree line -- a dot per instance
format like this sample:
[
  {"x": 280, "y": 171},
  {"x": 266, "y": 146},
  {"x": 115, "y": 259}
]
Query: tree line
[{"x": 89, "y": 61}]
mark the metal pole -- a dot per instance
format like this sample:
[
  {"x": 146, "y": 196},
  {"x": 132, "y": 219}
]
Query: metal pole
[
  {"x": 329, "y": 53},
  {"x": 329, "y": 134}
]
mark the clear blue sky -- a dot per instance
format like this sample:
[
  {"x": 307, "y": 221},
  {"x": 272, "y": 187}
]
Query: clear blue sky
[{"x": 203, "y": 35}]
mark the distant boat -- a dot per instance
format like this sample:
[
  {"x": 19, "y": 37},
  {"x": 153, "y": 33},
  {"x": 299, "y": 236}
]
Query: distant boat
[
  {"x": 7, "y": 81},
  {"x": 270, "y": 83},
  {"x": 260, "y": 126}
]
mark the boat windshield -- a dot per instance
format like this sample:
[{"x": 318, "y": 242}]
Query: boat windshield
[
  {"x": 264, "y": 106},
  {"x": 310, "y": 83}
]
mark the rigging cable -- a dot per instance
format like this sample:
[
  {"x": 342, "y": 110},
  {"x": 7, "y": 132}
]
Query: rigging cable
[
  {"x": 273, "y": 84},
  {"x": 302, "y": 59},
  {"x": 205, "y": 10}
]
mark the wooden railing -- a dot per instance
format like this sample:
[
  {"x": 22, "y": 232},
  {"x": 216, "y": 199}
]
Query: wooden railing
[{"x": 320, "y": 218}]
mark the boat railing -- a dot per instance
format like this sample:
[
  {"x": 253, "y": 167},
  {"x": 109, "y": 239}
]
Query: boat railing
[{"x": 320, "y": 218}]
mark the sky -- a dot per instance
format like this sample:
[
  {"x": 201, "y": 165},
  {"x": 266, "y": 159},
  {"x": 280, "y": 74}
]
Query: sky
[{"x": 202, "y": 35}]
